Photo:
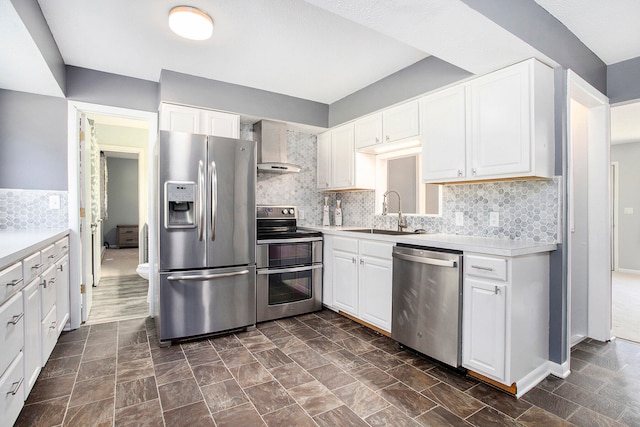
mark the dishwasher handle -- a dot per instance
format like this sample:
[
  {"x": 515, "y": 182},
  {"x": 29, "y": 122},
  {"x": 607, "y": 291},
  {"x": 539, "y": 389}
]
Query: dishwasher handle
[{"x": 425, "y": 260}]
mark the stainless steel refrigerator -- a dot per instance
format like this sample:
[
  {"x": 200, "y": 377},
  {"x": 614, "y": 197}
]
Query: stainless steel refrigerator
[{"x": 206, "y": 236}]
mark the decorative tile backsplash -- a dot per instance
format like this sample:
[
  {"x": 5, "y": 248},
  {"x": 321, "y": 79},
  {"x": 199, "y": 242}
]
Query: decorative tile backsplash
[
  {"x": 29, "y": 210},
  {"x": 528, "y": 210}
]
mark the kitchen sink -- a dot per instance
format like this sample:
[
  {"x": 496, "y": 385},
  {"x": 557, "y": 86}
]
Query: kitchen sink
[{"x": 379, "y": 231}]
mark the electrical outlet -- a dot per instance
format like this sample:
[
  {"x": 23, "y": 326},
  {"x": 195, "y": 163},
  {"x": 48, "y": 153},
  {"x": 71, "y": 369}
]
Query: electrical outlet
[
  {"x": 459, "y": 219},
  {"x": 300, "y": 213},
  {"x": 494, "y": 219},
  {"x": 54, "y": 202}
]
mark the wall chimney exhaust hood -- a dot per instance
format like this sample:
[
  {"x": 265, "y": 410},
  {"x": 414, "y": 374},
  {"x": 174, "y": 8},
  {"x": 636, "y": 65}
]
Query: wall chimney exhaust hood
[{"x": 272, "y": 147}]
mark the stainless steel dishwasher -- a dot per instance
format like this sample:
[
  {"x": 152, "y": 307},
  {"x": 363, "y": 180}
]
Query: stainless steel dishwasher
[{"x": 427, "y": 301}]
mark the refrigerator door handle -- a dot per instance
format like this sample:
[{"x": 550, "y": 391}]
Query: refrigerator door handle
[
  {"x": 208, "y": 276},
  {"x": 214, "y": 199},
  {"x": 201, "y": 201}
]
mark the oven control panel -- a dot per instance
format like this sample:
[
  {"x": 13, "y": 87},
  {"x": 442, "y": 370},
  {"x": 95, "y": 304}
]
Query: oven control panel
[{"x": 276, "y": 212}]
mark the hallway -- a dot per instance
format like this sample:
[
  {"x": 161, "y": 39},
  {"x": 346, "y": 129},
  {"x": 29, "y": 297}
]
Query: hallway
[{"x": 624, "y": 306}]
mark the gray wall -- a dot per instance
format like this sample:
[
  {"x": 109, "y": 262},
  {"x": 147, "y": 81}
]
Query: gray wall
[
  {"x": 423, "y": 76},
  {"x": 122, "y": 192},
  {"x": 536, "y": 27},
  {"x": 197, "y": 91},
  {"x": 33, "y": 141},
  {"x": 628, "y": 156},
  {"x": 623, "y": 81},
  {"x": 97, "y": 87}
]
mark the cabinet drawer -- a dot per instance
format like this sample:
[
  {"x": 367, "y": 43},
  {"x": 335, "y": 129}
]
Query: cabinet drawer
[
  {"x": 376, "y": 249},
  {"x": 48, "y": 256},
  {"x": 48, "y": 290},
  {"x": 62, "y": 247},
  {"x": 31, "y": 267},
  {"x": 11, "y": 394},
  {"x": 10, "y": 281},
  {"x": 49, "y": 334},
  {"x": 11, "y": 330},
  {"x": 487, "y": 267},
  {"x": 345, "y": 244}
]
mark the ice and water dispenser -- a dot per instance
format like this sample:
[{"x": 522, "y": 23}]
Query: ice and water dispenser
[{"x": 179, "y": 204}]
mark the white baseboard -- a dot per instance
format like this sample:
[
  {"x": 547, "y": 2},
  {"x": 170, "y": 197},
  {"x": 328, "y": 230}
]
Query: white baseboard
[
  {"x": 628, "y": 270},
  {"x": 559, "y": 370},
  {"x": 532, "y": 379}
]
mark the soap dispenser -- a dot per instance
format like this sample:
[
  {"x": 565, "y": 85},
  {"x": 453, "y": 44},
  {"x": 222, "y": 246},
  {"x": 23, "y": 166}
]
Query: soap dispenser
[
  {"x": 325, "y": 212},
  {"x": 338, "y": 215}
]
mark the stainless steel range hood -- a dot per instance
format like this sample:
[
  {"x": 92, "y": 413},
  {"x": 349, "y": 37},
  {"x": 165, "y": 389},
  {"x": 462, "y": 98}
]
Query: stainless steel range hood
[{"x": 272, "y": 147}]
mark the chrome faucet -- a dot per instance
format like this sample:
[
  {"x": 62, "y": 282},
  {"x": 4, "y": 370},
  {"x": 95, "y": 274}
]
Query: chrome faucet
[{"x": 385, "y": 209}]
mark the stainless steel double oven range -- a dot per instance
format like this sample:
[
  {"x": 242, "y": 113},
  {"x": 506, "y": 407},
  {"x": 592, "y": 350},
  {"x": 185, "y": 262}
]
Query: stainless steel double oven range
[{"x": 289, "y": 265}]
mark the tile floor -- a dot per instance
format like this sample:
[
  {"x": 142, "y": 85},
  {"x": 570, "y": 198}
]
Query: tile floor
[{"x": 314, "y": 370}]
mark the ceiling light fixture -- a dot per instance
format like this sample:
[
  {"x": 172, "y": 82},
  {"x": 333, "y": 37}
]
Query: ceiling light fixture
[{"x": 190, "y": 23}]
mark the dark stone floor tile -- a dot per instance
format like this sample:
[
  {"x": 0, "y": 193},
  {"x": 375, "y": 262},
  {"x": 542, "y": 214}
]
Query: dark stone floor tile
[
  {"x": 251, "y": 374},
  {"x": 95, "y": 414},
  {"x": 372, "y": 377},
  {"x": 135, "y": 392},
  {"x": 454, "y": 400},
  {"x": 132, "y": 325},
  {"x": 391, "y": 416},
  {"x": 489, "y": 417},
  {"x": 59, "y": 367},
  {"x": 361, "y": 399},
  {"x": 147, "y": 414},
  {"x": 323, "y": 345},
  {"x": 631, "y": 417},
  {"x": 133, "y": 352},
  {"x": 315, "y": 398},
  {"x": 381, "y": 359},
  {"x": 413, "y": 377},
  {"x": 551, "y": 403},
  {"x": 243, "y": 415},
  {"x": 129, "y": 371},
  {"x": 196, "y": 414},
  {"x": 272, "y": 358},
  {"x": 551, "y": 383},
  {"x": 364, "y": 333},
  {"x": 292, "y": 415},
  {"x": 356, "y": 345},
  {"x": 236, "y": 357},
  {"x": 414, "y": 359},
  {"x": 101, "y": 327},
  {"x": 268, "y": 397},
  {"x": 408, "y": 400},
  {"x": 335, "y": 334},
  {"x": 387, "y": 345},
  {"x": 211, "y": 373},
  {"x": 51, "y": 388},
  {"x": 592, "y": 346},
  {"x": 290, "y": 345},
  {"x": 626, "y": 395},
  {"x": 339, "y": 417},
  {"x": 538, "y": 417},
  {"x": 611, "y": 363},
  {"x": 67, "y": 349},
  {"x": 331, "y": 376},
  {"x": 102, "y": 337},
  {"x": 132, "y": 338},
  {"x": 289, "y": 323},
  {"x": 586, "y": 398},
  {"x": 96, "y": 368},
  {"x": 93, "y": 390},
  {"x": 258, "y": 343},
  {"x": 440, "y": 417},
  {"x": 179, "y": 393},
  {"x": 275, "y": 332},
  {"x": 346, "y": 360},
  {"x": 304, "y": 333},
  {"x": 169, "y": 354},
  {"x": 309, "y": 359},
  {"x": 172, "y": 371},
  {"x": 453, "y": 378},
  {"x": 499, "y": 400},
  {"x": 201, "y": 356},
  {"x": 223, "y": 395},
  {"x": 586, "y": 418},
  {"x": 79, "y": 334},
  {"x": 291, "y": 375},
  {"x": 328, "y": 315},
  {"x": 43, "y": 414},
  {"x": 196, "y": 345},
  {"x": 578, "y": 365},
  {"x": 98, "y": 351},
  {"x": 226, "y": 342}
]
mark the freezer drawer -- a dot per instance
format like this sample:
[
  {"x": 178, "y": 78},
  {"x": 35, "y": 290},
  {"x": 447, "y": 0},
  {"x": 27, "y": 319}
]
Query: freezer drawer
[{"x": 199, "y": 302}]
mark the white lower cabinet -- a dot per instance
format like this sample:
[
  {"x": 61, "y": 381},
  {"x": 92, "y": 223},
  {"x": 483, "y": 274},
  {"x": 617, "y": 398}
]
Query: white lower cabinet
[
  {"x": 505, "y": 318},
  {"x": 361, "y": 279},
  {"x": 11, "y": 395},
  {"x": 32, "y": 341},
  {"x": 62, "y": 293}
]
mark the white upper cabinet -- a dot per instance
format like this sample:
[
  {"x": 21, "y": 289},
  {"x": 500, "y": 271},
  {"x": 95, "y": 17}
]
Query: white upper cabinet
[
  {"x": 194, "y": 120},
  {"x": 324, "y": 161},
  {"x": 342, "y": 149},
  {"x": 368, "y": 131},
  {"x": 505, "y": 119},
  {"x": 379, "y": 132}
]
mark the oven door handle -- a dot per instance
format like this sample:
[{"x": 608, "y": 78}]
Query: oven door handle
[
  {"x": 290, "y": 270},
  {"x": 285, "y": 241}
]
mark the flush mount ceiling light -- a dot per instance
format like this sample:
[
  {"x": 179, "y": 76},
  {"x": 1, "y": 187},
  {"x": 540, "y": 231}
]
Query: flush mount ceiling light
[{"x": 190, "y": 23}]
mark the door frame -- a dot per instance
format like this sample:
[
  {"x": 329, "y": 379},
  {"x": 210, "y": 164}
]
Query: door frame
[
  {"x": 615, "y": 200},
  {"x": 74, "y": 109}
]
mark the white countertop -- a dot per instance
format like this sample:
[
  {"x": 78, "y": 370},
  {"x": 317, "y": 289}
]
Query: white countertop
[
  {"x": 17, "y": 244},
  {"x": 485, "y": 245}
]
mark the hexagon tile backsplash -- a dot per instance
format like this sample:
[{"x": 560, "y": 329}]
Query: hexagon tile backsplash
[{"x": 29, "y": 210}]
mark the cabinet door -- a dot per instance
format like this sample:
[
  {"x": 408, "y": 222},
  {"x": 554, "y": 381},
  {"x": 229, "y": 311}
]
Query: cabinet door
[
  {"x": 62, "y": 293},
  {"x": 324, "y": 161},
  {"x": 221, "y": 124},
  {"x": 342, "y": 157},
  {"x": 345, "y": 281},
  {"x": 32, "y": 342},
  {"x": 401, "y": 122},
  {"x": 444, "y": 135},
  {"x": 484, "y": 327},
  {"x": 375, "y": 291},
  {"x": 368, "y": 131},
  {"x": 179, "y": 118},
  {"x": 500, "y": 123},
  {"x": 327, "y": 271}
]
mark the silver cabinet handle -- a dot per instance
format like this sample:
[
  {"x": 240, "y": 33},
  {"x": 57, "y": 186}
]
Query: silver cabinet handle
[
  {"x": 377, "y": 140},
  {"x": 37, "y": 266},
  {"x": 44, "y": 284},
  {"x": 16, "y": 318},
  {"x": 15, "y": 387},
  {"x": 53, "y": 324},
  {"x": 201, "y": 201},
  {"x": 480, "y": 267},
  {"x": 289, "y": 270},
  {"x": 214, "y": 199},
  {"x": 14, "y": 282},
  {"x": 496, "y": 290},
  {"x": 353, "y": 260},
  {"x": 387, "y": 138},
  {"x": 474, "y": 171},
  {"x": 208, "y": 276},
  {"x": 459, "y": 172},
  {"x": 361, "y": 262},
  {"x": 60, "y": 268},
  {"x": 424, "y": 260}
]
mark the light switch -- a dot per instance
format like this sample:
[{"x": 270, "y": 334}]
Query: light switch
[
  {"x": 54, "y": 202},
  {"x": 459, "y": 219},
  {"x": 494, "y": 219},
  {"x": 628, "y": 211}
]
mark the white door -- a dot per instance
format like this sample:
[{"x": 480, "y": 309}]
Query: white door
[
  {"x": 86, "y": 233},
  {"x": 345, "y": 281},
  {"x": 375, "y": 291}
]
